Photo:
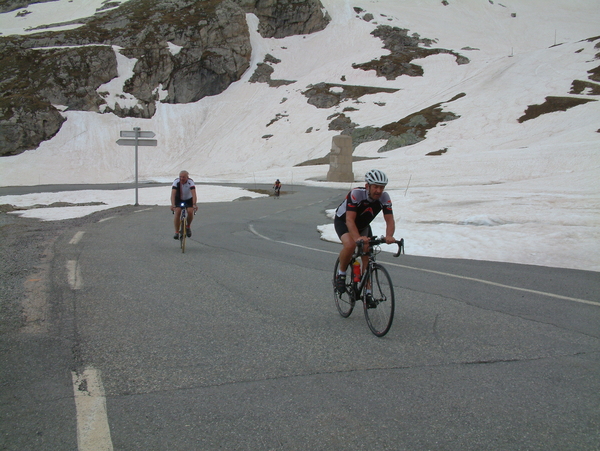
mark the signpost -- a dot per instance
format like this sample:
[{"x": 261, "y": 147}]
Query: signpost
[{"x": 140, "y": 138}]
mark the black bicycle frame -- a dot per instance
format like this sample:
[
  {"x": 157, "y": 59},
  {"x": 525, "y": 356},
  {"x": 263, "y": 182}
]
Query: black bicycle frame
[{"x": 373, "y": 241}]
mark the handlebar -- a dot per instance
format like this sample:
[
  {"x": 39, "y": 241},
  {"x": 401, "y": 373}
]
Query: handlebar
[
  {"x": 182, "y": 206},
  {"x": 374, "y": 241}
]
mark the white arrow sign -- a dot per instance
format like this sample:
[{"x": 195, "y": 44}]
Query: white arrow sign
[
  {"x": 140, "y": 134},
  {"x": 136, "y": 142}
]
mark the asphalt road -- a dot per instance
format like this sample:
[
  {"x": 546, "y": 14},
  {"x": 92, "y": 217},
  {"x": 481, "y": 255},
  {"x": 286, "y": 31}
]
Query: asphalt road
[{"x": 237, "y": 344}]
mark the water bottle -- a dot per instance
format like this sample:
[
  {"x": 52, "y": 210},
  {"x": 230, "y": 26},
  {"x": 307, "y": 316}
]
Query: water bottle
[{"x": 356, "y": 271}]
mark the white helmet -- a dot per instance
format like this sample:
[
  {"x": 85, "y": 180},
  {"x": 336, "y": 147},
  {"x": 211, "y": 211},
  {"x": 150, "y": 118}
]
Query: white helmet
[{"x": 376, "y": 177}]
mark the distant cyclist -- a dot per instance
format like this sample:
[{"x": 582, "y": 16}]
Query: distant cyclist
[
  {"x": 183, "y": 190},
  {"x": 277, "y": 187},
  {"x": 354, "y": 215}
]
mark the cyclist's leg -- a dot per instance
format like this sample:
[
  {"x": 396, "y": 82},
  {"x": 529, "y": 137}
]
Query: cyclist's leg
[
  {"x": 177, "y": 219},
  {"x": 182, "y": 234},
  {"x": 348, "y": 245},
  {"x": 347, "y": 250},
  {"x": 182, "y": 225},
  {"x": 189, "y": 218},
  {"x": 190, "y": 215},
  {"x": 365, "y": 258},
  {"x": 344, "y": 301}
]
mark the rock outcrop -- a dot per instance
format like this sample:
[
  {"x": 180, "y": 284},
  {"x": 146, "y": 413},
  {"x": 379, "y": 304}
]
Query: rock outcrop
[
  {"x": 282, "y": 18},
  {"x": 184, "y": 50},
  {"x": 26, "y": 120}
]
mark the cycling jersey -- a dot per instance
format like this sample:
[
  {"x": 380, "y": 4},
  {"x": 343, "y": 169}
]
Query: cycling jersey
[
  {"x": 366, "y": 208},
  {"x": 183, "y": 191}
]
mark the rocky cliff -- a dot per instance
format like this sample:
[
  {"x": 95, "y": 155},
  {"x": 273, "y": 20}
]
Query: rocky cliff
[{"x": 184, "y": 50}]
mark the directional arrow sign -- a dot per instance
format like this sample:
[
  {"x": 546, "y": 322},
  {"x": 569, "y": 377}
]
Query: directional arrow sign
[
  {"x": 140, "y": 134},
  {"x": 136, "y": 142}
]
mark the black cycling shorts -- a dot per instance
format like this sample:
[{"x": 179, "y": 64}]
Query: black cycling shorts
[
  {"x": 341, "y": 228},
  {"x": 189, "y": 203}
]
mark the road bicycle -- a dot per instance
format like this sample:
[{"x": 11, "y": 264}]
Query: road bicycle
[
  {"x": 373, "y": 285},
  {"x": 183, "y": 222}
]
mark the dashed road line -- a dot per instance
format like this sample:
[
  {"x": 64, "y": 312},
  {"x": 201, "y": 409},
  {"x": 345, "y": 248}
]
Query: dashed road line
[
  {"x": 74, "y": 275},
  {"x": 93, "y": 432},
  {"x": 77, "y": 237}
]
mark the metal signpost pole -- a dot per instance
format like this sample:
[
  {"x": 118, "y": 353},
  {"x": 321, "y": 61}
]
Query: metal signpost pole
[
  {"x": 140, "y": 138},
  {"x": 137, "y": 134}
]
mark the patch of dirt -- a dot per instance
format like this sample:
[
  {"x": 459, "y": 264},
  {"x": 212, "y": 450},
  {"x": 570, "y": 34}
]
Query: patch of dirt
[
  {"x": 438, "y": 152},
  {"x": 585, "y": 88},
  {"x": 263, "y": 72},
  {"x": 595, "y": 72},
  {"x": 277, "y": 117},
  {"x": 551, "y": 105},
  {"x": 5, "y": 208},
  {"x": 327, "y": 95},
  {"x": 404, "y": 49}
]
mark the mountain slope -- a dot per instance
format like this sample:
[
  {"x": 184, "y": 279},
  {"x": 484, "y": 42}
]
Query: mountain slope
[{"x": 485, "y": 177}]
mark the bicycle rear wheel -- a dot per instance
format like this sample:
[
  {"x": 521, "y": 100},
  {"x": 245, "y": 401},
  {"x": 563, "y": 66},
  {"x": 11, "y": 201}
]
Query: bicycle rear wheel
[
  {"x": 380, "y": 313},
  {"x": 343, "y": 301},
  {"x": 182, "y": 233}
]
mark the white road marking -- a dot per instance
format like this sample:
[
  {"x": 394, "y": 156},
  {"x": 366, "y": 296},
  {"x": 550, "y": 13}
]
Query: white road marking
[
  {"x": 501, "y": 285},
  {"x": 76, "y": 238},
  {"x": 107, "y": 219},
  {"x": 472, "y": 279},
  {"x": 73, "y": 275},
  {"x": 93, "y": 432}
]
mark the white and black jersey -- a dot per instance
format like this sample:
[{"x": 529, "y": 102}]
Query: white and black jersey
[
  {"x": 366, "y": 208},
  {"x": 183, "y": 190}
]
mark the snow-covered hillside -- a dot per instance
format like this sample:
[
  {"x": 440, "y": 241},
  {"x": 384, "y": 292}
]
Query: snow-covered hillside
[{"x": 502, "y": 190}]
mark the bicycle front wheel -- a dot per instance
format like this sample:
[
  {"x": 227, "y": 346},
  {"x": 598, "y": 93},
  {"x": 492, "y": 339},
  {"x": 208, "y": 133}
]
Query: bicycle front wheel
[
  {"x": 379, "y": 312},
  {"x": 343, "y": 301},
  {"x": 182, "y": 233}
]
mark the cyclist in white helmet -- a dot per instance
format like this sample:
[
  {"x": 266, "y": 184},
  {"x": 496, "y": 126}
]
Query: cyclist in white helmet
[{"x": 354, "y": 215}]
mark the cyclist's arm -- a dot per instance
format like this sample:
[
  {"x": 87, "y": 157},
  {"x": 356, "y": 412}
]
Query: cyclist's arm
[
  {"x": 194, "y": 200},
  {"x": 173, "y": 199},
  {"x": 390, "y": 228}
]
